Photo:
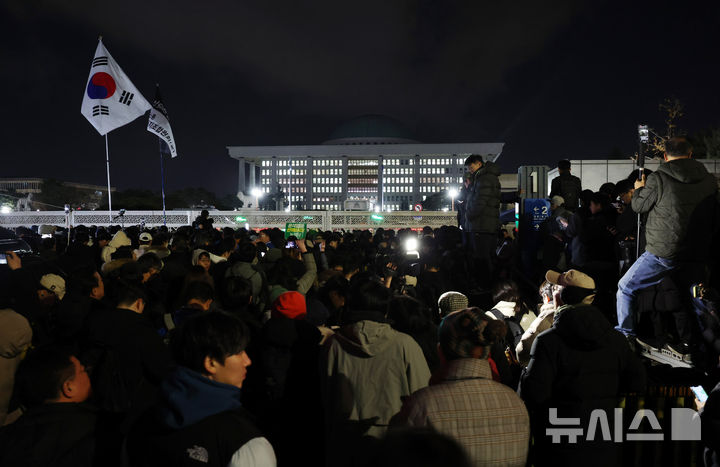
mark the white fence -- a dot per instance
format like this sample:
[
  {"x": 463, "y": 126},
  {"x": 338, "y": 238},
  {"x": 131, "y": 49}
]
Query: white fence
[{"x": 325, "y": 220}]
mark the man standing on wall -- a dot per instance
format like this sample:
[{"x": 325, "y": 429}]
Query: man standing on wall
[{"x": 482, "y": 214}]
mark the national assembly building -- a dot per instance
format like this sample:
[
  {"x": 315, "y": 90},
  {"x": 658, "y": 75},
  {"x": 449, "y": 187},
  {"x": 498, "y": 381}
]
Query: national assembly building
[{"x": 370, "y": 159}]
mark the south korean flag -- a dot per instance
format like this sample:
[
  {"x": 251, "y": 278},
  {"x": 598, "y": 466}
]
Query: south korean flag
[{"x": 111, "y": 100}]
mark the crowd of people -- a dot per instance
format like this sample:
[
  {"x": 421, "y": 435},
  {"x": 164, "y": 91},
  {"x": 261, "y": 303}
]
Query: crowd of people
[{"x": 235, "y": 347}]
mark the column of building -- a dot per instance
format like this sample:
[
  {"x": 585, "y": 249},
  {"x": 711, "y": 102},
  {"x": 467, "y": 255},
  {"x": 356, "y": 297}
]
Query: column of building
[
  {"x": 417, "y": 196},
  {"x": 309, "y": 202},
  {"x": 344, "y": 171},
  {"x": 380, "y": 194},
  {"x": 241, "y": 176}
]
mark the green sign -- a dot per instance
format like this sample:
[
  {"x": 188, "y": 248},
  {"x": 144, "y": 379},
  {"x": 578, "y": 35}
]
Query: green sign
[
  {"x": 240, "y": 219},
  {"x": 377, "y": 217},
  {"x": 296, "y": 229}
]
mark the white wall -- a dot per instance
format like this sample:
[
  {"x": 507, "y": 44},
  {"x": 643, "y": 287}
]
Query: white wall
[{"x": 594, "y": 173}]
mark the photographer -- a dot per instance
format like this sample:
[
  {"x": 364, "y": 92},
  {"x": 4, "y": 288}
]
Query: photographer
[{"x": 680, "y": 199}]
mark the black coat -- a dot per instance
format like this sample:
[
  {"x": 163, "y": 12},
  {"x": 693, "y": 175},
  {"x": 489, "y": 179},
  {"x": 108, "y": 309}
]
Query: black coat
[
  {"x": 482, "y": 205},
  {"x": 580, "y": 364},
  {"x": 292, "y": 407},
  {"x": 128, "y": 342},
  {"x": 57, "y": 434},
  {"x": 569, "y": 187}
]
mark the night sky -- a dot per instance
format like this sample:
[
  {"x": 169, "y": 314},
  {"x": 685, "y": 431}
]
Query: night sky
[{"x": 562, "y": 79}]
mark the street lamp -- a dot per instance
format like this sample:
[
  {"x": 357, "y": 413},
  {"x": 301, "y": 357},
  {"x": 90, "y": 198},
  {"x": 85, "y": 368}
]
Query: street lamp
[
  {"x": 453, "y": 193},
  {"x": 257, "y": 193}
]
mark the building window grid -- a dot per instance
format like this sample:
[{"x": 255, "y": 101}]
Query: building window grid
[{"x": 393, "y": 182}]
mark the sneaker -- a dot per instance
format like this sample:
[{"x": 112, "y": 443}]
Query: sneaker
[
  {"x": 679, "y": 351},
  {"x": 647, "y": 344}
]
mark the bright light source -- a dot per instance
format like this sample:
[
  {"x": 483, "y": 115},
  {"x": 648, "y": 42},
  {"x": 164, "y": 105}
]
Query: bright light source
[
  {"x": 247, "y": 226},
  {"x": 287, "y": 209},
  {"x": 256, "y": 192},
  {"x": 6, "y": 210},
  {"x": 411, "y": 244},
  {"x": 377, "y": 208},
  {"x": 452, "y": 192},
  {"x": 445, "y": 209},
  {"x": 377, "y": 217}
]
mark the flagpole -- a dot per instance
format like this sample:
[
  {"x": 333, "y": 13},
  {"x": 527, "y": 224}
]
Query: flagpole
[
  {"x": 107, "y": 162},
  {"x": 162, "y": 185}
]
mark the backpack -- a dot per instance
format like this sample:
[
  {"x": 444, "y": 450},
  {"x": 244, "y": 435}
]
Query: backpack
[{"x": 513, "y": 326}]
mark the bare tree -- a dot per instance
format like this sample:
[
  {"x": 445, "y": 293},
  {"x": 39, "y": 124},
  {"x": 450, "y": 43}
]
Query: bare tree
[{"x": 673, "y": 110}]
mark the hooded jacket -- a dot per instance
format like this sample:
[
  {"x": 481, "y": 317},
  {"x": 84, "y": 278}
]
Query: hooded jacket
[
  {"x": 120, "y": 239},
  {"x": 368, "y": 368},
  {"x": 482, "y": 205},
  {"x": 198, "y": 420},
  {"x": 680, "y": 198},
  {"x": 580, "y": 364},
  {"x": 15, "y": 338}
]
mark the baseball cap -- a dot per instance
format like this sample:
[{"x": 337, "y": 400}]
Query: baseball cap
[
  {"x": 571, "y": 278},
  {"x": 145, "y": 237},
  {"x": 54, "y": 283}
]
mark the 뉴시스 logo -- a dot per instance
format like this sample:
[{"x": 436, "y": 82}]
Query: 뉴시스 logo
[{"x": 685, "y": 426}]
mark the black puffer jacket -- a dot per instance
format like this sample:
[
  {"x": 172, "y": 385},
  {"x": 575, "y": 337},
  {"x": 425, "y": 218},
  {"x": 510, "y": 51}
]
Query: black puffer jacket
[
  {"x": 579, "y": 365},
  {"x": 482, "y": 206},
  {"x": 680, "y": 199}
]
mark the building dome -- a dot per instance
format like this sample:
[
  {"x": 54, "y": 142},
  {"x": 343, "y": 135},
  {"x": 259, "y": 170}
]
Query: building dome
[{"x": 371, "y": 129}]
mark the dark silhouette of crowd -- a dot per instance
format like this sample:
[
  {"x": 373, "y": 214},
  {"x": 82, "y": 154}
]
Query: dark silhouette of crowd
[{"x": 234, "y": 347}]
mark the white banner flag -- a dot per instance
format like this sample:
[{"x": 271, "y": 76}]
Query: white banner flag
[
  {"x": 110, "y": 100},
  {"x": 159, "y": 123}
]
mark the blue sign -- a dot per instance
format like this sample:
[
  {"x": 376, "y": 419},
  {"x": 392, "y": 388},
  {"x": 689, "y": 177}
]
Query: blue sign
[{"x": 536, "y": 211}]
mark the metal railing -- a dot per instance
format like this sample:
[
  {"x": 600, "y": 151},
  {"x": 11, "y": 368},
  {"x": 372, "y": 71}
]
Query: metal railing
[{"x": 325, "y": 220}]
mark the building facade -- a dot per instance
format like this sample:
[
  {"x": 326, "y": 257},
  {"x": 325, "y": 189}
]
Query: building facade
[{"x": 371, "y": 158}]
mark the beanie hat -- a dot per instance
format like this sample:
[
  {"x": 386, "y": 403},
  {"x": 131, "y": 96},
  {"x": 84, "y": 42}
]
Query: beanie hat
[
  {"x": 290, "y": 305},
  {"x": 54, "y": 283},
  {"x": 451, "y": 301}
]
